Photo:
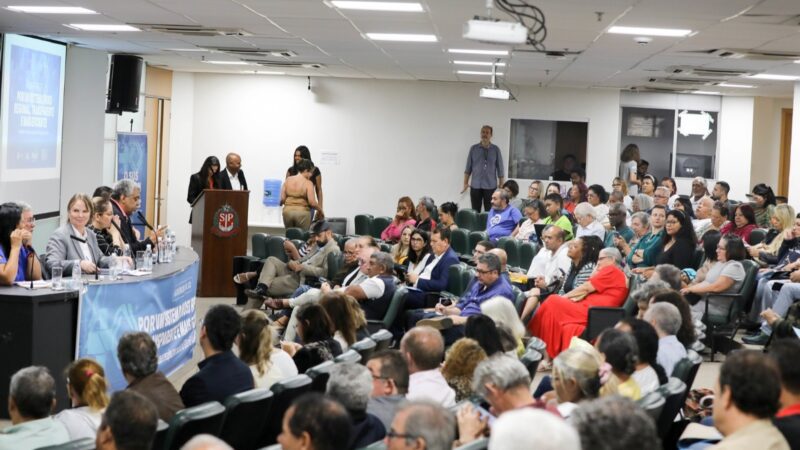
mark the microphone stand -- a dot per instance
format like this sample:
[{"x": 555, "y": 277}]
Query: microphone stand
[
  {"x": 155, "y": 233},
  {"x": 94, "y": 260},
  {"x": 30, "y": 269}
]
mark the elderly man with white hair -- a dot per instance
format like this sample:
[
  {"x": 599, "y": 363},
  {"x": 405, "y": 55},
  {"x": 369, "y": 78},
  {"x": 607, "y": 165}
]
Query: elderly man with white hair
[
  {"x": 586, "y": 216},
  {"x": 666, "y": 319},
  {"x": 703, "y": 215},
  {"x": 513, "y": 431},
  {"x": 662, "y": 196},
  {"x": 350, "y": 384}
]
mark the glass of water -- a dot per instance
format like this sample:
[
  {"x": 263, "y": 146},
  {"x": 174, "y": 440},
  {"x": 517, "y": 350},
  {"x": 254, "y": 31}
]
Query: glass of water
[
  {"x": 56, "y": 274},
  {"x": 140, "y": 260}
]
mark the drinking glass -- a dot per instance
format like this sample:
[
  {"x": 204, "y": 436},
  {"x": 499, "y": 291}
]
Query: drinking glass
[
  {"x": 140, "y": 260},
  {"x": 56, "y": 274}
]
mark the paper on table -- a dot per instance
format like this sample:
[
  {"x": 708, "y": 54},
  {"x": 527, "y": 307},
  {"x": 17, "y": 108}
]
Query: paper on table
[
  {"x": 136, "y": 273},
  {"x": 38, "y": 284}
]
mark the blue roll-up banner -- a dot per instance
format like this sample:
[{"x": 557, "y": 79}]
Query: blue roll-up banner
[
  {"x": 272, "y": 192},
  {"x": 132, "y": 165},
  {"x": 164, "y": 308}
]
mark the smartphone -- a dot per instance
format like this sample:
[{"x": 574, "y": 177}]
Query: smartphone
[
  {"x": 484, "y": 413},
  {"x": 445, "y": 301}
]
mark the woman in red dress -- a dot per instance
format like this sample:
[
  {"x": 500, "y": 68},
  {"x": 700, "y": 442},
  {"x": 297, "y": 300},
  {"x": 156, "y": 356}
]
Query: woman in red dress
[{"x": 562, "y": 317}]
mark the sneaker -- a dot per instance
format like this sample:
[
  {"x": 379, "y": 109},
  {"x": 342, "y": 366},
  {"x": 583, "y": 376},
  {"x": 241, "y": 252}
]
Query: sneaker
[
  {"x": 759, "y": 339},
  {"x": 440, "y": 323},
  {"x": 260, "y": 292}
]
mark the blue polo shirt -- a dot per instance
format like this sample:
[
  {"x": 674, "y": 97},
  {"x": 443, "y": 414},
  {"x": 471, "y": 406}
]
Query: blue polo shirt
[
  {"x": 502, "y": 223},
  {"x": 22, "y": 267},
  {"x": 470, "y": 303},
  {"x": 485, "y": 165}
]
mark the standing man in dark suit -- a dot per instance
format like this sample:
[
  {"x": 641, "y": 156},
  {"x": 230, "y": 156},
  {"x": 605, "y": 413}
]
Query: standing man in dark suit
[
  {"x": 232, "y": 178},
  {"x": 434, "y": 277},
  {"x": 126, "y": 200},
  {"x": 221, "y": 372}
]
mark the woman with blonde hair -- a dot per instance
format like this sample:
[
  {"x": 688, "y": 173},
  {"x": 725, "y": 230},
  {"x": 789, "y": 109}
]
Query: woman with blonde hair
[
  {"x": 619, "y": 185},
  {"x": 88, "y": 394},
  {"x": 459, "y": 366},
  {"x": 400, "y": 249},
  {"x": 268, "y": 364},
  {"x": 73, "y": 243},
  {"x": 347, "y": 317},
  {"x": 536, "y": 191},
  {"x": 781, "y": 221},
  {"x": 106, "y": 227},
  {"x": 576, "y": 377}
]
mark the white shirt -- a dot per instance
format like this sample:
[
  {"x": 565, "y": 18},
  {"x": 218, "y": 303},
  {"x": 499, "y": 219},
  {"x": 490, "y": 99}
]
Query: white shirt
[
  {"x": 235, "y": 184},
  {"x": 431, "y": 385},
  {"x": 417, "y": 268},
  {"x": 84, "y": 246},
  {"x": 373, "y": 288},
  {"x": 548, "y": 265},
  {"x": 80, "y": 422},
  {"x": 700, "y": 226},
  {"x": 280, "y": 367},
  {"x": 426, "y": 273},
  {"x": 647, "y": 379},
  {"x": 670, "y": 351},
  {"x": 595, "y": 228}
]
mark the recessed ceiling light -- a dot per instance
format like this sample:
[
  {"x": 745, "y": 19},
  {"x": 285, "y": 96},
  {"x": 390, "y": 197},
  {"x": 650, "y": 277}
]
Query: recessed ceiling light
[
  {"x": 52, "y": 9},
  {"x": 478, "y": 52},
  {"x": 228, "y": 63},
  {"x": 263, "y": 72},
  {"x": 101, "y": 27},
  {"x": 480, "y": 63},
  {"x": 378, "y": 6},
  {"x": 399, "y": 37},
  {"x": 732, "y": 85},
  {"x": 643, "y": 31},
  {"x": 706, "y": 93},
  {"x": 476, "y": 72},
  {"x": 768, "y": 76}
]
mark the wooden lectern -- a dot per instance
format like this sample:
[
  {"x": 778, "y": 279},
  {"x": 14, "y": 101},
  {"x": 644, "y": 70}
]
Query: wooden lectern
[{"x": 219, "y": 232}]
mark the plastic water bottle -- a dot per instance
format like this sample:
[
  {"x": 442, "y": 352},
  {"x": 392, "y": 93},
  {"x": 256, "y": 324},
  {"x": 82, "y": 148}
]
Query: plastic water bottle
[
  {"x": 76, "y": 275},
  {"x": 148, "y": 259},
  {"x": 113, "y": 267}
]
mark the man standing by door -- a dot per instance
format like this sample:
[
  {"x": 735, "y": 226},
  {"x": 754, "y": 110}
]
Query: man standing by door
[
  {"x": 485, "y": 165},
  {"x": 232, "y": 178}
]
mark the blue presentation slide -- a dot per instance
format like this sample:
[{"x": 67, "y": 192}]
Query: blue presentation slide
[{"x": 31, "y": 108}]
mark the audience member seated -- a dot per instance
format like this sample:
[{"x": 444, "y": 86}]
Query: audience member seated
[
  {"x": 686, "y": 333},
  {"x": 423, "y": 349},
  {"x": 314, "y": 328},
  {"x": 670, "y": 275},
  {"x": 434, "y": 276},
  {"x": 459, "y": 366},
  {"x": 672, "y": 185},
  {"x": 511, "y": 188},
  {"x": 649, "y": 186},
  {"x": 106, "y": 227},
  {"x": 642, "y": 203},
  {"x": 389, "y": 384},
  {"x": 617, "y": 215},
  {"x": 400, "y": 249},
  {"x": 709, "y": 242},
  {"x": 425, "y": 209},
  {"x": 666, "y": 319},
  {"x": 504, "y": 314},
  {"x": 685, "y": 206},
  {"x": 221, "y": 373},
  {"x": 576, "y": 378},
  {"x": 645, "y": 292},
  {"x": 553, "y": 204},
  {"x": 31, "y": 398},
  {"x": 535, "y": 212},
  {"x": 268, "y": 364},
  {"x": 422, "y": 425},
  {"x": 720, "y": 195},
  {"x": 640, "y": 226},
  {"x": 588, "y": 225},
  {"x": 298, "y": 196},
  {"x": 744, "y": 222},
  {"x": 597, "y": 197},
  {"x": 575, "y": 194},
  {"x": 138, "y": 360},
  {"x": 647, "y": 250},
  {"x": 699, "y": 190},
  {"x": 125, "y": 201},
  {"x": 724, "y": 277},
  {"x": 206, "y": 442},
  {"x": 719, "y": 217},
  {"x": 347, "y": 318},
  {"x": 87, "y": 388},
  {"x": 619, "y": 350},
  {"x": 562, "y": 317},
  {"x": 514, "y": 431},
  {"x": 483, "y": 330},
  {"x": 702, "y": 221},
  {"x": 614, "y": 422},
  {"x": 781, "y": 223},
  {"x": 763, "y": 204},
  {"x": 129, "y": 423},
  {"x": 419, "y": 252},
  {"x": 17, "y": 262},
  {"x": 405, "y": 217},
  {"x": 662, "y": 197},
  {"x": 73, "y": 243},
  {"x": 619, "y": 185},
  {"x": 451, "y": 319},
  {"x": 785, "y": 352},
  {"x": 679, "y": 242},
  {"x": 581, "y": 255},
  {"x": 350, "y": 260},
  {"x": 350, "y": 385},
  {"x": 374, "y": 294},
  {"x": 503, "y": 218},
  {"x": 315, "y": 422},
  {"x": 502, "y": 381},
  {"x": 280, "y": 279},
  {"x": 447, "y": 215},
  {"x": 649, "y": 375},
  {"x": 536, "y": 191}
]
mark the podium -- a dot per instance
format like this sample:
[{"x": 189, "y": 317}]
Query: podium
[{"x": 219, "y": 232}]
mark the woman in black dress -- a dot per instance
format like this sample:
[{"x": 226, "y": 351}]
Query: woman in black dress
[
  {"x": 301, "y": 153},
  {"x": 205, "y": 178},
  {"x": 679, "y": 241}
]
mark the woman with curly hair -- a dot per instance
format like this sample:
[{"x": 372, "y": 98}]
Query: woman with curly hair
[
  {"x": 459, "y": 365},
  {"x": 268, "y": 364},
  {"x": 347, "y": 318}
]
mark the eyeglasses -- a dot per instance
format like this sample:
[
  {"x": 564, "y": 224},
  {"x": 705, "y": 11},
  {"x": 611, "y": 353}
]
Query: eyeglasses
[
  {"x": 672, "y": 222},
  {"x": 394, "y": 434},
  {"x": 31, "y": 220}
]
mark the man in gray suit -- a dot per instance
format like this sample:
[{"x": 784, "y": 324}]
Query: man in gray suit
[{"x": 280, "y": 279}]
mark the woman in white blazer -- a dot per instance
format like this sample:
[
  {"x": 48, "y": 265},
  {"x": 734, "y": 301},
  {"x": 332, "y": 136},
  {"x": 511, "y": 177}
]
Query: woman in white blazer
[{"x": 73, "y": 241}]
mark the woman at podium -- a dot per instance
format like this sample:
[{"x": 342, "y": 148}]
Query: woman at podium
[
  {"x": 205, "y": 178},
  {"x": 18, "y": 261}
]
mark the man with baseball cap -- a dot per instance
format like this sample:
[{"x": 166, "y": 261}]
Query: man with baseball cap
[{"x": 280, "y": 279}]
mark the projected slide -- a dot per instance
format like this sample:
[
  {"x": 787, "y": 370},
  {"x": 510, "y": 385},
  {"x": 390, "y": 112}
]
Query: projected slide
[{"x": 31, "y": 106}]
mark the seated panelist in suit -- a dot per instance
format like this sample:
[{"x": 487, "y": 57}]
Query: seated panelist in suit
[
  {"x": 434, "y": 277},
  {"x": 17, "y": 262},
  {"x": 74, "y": 241},
  {"x": 126, "y": 201},
  {"x": 205, "y": 178},
  {"x": 232, "y": 178}
]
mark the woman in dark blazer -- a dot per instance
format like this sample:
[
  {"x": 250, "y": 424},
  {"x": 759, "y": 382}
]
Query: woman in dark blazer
[{"x": 205, "y": 178}]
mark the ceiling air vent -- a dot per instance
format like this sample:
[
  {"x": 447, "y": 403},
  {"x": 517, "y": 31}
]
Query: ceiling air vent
[
  {"x": 248, "y": 51},
  {"x": 686, "y": 81},
  {"x": 756, "y": 55},
  {"x": 661, "y": 89},
  {"x": 191, "y": 30},
  {"x": 285, "y": 64},
  {"x": 707, "y": 72}
]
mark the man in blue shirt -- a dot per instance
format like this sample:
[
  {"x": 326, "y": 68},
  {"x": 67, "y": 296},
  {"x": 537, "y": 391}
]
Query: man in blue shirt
[
  {"x": 503, "y": 217},
  {"x": 485, "y": 165},
  {"x": 451, "y": 319}
]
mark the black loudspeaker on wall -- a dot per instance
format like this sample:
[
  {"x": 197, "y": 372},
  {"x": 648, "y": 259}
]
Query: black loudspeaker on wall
[{"x": 123, "y": 84}]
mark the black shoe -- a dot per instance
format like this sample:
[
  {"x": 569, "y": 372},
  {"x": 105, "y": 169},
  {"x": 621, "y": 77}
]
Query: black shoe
[
  {"x": 260, "y": 292},
  {"x": 751, "y": 325},
  {"x": 759, "y": 339}
]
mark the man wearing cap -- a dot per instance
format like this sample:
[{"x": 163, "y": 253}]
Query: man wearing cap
[
  {"x": 280, "y": 279},
  {"x": 699, "y": 190}
]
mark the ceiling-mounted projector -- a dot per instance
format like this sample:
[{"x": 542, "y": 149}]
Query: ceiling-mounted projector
[
  {"x": 495, "y": 93},
  {"x": 495, "y": 31}
]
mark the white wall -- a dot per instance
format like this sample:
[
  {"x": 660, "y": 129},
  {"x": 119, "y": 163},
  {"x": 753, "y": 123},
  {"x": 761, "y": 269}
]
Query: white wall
[
  {"x": 180, "y": 155},
  {"x": 736, "y": 140},
  {"x": 392, "y": 138},
  {"x": 82, "y": 156},
  {"x": 794, "y": 160},
  {"x": 767, "y": 139}
]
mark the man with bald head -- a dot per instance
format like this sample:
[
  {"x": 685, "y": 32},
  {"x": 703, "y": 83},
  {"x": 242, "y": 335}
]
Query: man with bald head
[
  {"x": 703, "y": 213},
  {"x": 423, "y": 350},
  {"x": 232, "y": 178}
]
